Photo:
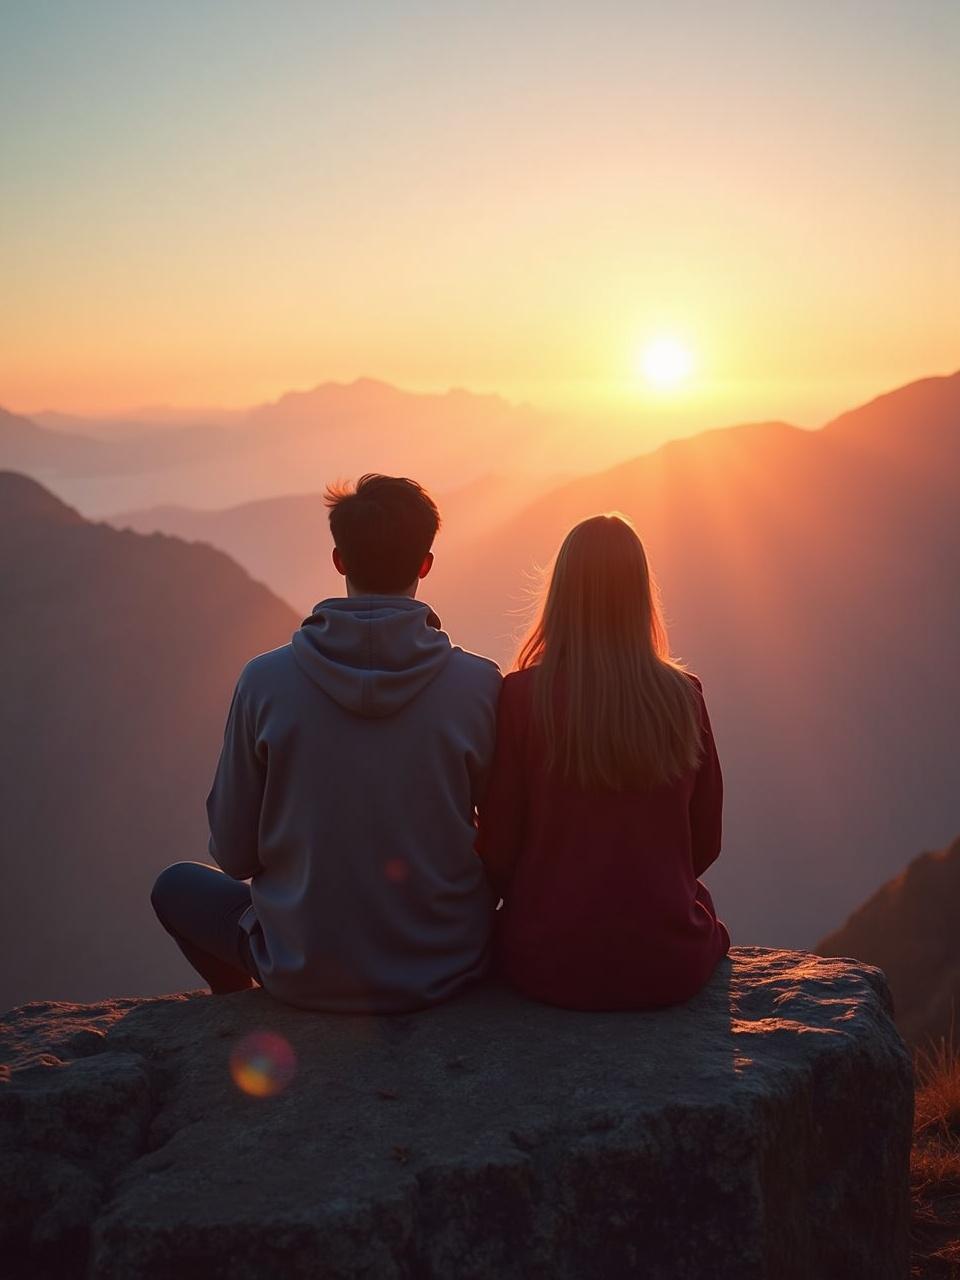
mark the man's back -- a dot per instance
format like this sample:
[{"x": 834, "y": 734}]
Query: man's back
[{"x": 352, "y": 763}]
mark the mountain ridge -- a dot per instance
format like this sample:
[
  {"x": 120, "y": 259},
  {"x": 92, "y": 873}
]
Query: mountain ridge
[
  {"x": 24, "y": 499},
  {"x": 908, "y": 928}
]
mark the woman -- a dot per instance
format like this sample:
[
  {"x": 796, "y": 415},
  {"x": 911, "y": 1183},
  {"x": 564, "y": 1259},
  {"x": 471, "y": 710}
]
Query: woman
[{"x": 604, "y": 803}]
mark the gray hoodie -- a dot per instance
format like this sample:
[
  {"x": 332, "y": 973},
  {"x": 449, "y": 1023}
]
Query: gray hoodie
[{"x": 352, "y": 763}]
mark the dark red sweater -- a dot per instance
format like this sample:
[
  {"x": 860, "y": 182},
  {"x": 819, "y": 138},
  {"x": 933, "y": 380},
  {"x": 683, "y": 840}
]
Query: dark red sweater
[{"x": 602, "y": 908}]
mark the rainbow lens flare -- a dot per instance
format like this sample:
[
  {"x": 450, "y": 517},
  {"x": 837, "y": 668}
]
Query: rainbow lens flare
[{"x": 263, "y": 1064}]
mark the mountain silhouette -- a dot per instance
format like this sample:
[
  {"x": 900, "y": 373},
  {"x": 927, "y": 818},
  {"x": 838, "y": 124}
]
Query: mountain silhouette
[
  {"x": 26, "y": 506},
  {"x": 909, "y": 928},
  {"x": 930, "y": 404},
  {"x": 120, "y": 653}
]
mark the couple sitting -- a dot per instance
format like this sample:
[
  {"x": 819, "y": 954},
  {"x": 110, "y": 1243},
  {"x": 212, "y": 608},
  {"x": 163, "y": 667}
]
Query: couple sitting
[{"x": 383, "y": 790}]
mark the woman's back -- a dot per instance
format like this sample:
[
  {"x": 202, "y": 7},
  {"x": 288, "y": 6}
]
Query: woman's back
[
  {"x": 602, "y": 905},
  {"x": 605, "y": 799}
]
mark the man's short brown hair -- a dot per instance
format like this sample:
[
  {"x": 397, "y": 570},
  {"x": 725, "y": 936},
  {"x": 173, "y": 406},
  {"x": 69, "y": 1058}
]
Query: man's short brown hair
[{"x": 383, "y": 527}]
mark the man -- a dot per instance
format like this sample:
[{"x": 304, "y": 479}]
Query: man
[{"x": 352, "y": 764}]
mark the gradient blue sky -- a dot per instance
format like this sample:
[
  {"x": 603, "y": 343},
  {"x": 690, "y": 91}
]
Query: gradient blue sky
[{"x": 214, "y": 202}]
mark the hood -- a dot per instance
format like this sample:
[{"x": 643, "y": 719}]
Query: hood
[{"x": 371, "y": 654}]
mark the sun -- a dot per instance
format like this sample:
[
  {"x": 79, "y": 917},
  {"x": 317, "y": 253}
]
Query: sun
[{"x": 666, "y": 363}]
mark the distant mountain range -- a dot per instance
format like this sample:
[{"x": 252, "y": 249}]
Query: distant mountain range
[
  {"x": 911, "y": 929},
  {"x": 83, "y": 463},
  {"x": 119, "y": 655},
  {"x": 810, "y": 577},
  {"x": 302, "y": 439}
]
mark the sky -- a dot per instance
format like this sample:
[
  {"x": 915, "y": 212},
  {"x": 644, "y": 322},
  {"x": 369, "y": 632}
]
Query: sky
[{"x": 215, "y": 202}]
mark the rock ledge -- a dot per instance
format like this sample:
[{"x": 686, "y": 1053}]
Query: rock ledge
[{"x": 762, "y": 1130}]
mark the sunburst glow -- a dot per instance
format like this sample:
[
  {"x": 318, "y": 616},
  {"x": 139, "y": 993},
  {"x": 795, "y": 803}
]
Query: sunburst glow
[{"x": 666, "y": 363}]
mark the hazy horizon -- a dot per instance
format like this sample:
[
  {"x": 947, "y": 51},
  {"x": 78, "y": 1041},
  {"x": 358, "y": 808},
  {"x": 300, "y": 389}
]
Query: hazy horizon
[
  {"x": 173, "y": 413},
  {"x": 570, "y": 444}
]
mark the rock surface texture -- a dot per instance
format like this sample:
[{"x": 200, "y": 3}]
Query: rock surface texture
[{"x": 762, "y": 1130}]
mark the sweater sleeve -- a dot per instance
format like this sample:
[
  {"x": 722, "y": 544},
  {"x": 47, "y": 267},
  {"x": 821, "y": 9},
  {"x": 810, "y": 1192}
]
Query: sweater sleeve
[
  {"x": 706, "y": 803},
  {"x": 233, "y": 806},
  {"x": 500, "y": 818}
]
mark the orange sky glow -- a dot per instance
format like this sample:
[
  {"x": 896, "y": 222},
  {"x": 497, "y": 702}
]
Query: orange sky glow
[{"x": 211, "y": 205}]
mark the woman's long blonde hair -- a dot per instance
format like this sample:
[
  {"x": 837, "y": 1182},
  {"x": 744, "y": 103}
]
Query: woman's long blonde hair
[{"x": 617, "y": 712}]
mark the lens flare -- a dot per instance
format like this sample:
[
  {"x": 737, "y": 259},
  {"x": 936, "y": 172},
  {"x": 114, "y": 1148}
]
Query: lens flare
[{"x": 263, "y": 1064}]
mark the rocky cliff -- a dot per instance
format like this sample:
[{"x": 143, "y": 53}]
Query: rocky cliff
[
  {"x": 909, "y": 928},
  {"x": 763, "y": 1130}
]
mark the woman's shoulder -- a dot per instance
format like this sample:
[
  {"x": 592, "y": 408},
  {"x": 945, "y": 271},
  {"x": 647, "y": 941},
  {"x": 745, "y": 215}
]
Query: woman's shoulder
[
  {"x": 697, "y": 691},
  {"x": 520, "y": 679},
  {"x": 516, "y": 695},
  {"x": 517, "y": 686},
  {"x": 705, "y": 726}
]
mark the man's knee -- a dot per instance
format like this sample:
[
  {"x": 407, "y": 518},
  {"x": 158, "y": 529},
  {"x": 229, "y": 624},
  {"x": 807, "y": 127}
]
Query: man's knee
[{"x": 169, "y": 887}]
